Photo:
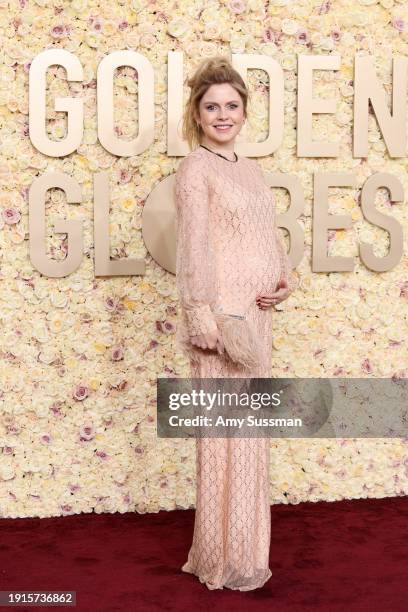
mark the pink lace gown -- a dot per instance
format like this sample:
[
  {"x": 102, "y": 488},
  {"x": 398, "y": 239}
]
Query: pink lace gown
[{"x": 229, "y": 250}]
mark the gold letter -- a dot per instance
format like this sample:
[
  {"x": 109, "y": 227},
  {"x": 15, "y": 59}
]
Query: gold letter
[
  {"x": 106, "y": 132},
  {"x": 36, "y": 221},
  {"x": 242, "y": 62},
  {"x": 374, "y": 182},
  {"x": 322, "y": 221},
  {"x": 288, "y": 219},
  {"x": 366, "y": 89},
  {"x": 104, "y": 266},
  {"x": 72, "y": 106},
  {"x": 307, "y": 106}
]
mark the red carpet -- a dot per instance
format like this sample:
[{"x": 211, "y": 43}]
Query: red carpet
[{"x": 348, "y": 555}]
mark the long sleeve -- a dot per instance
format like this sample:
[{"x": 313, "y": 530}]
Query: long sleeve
[{"x": 195, "y": 270}]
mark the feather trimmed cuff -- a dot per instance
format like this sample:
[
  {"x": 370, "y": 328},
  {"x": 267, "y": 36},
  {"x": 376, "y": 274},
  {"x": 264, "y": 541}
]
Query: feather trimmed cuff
[{"x": 200, "y": 320}]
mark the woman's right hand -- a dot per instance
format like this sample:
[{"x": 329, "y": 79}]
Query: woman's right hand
[{"x": 211, "y": 340}]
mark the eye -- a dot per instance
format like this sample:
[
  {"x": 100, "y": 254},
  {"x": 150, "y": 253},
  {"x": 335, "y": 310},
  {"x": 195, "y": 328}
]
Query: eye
[{"x": 211, "y": 106}]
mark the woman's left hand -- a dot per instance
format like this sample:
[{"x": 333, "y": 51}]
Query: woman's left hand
[{"x": 264, "y": 301}]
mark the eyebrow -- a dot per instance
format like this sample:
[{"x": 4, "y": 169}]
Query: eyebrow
[{"x": 211, "y": 102}]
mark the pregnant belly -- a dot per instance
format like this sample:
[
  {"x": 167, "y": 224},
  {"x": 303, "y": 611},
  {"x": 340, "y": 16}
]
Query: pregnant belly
[
  {"x": 271, "y": 278},
  {"x": 238, "y": 292},
  {"x": 265, "y": 273}
]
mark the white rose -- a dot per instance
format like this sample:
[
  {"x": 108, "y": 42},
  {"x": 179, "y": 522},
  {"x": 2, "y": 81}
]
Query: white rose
[
  {"x": 347, "y": 40},
  {"x": 327, "y": 43},
  {"x": 288, "y": 62},
  {"x": 58, "y": 299},
  {"x": 211, "y": 31},
  {"x": 47, "y": 355},
  {"x": 289, "y": 26},
  {"x": 178, "y": 27},
  {"x": 238, "y": 43},
  {"x": 207, "y": 49},
  {"x": 269, "y": 49},
  {"x": 7, "y": 472},
  {"x": 40, "y": 407},
  {"x": 40, "y": 331},
  {"x": 316, "y": 39},
  {"x": 79, "y": 5}
]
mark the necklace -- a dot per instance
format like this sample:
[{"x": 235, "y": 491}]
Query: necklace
[{"x": 223, "y": 156}]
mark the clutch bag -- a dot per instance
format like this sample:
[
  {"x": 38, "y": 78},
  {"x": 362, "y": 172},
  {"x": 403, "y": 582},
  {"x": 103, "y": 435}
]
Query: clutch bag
[{"x": 241, "y": 342}]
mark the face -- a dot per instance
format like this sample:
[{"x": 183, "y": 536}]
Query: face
[{"x": 221, "y": 105}]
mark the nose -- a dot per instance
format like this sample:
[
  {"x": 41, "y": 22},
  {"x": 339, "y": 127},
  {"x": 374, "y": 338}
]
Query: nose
[{"x": 222, "y": 115}]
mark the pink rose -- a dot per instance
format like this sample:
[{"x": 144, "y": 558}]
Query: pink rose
[
  {"x": 165, "y": 327},
  {"x": 237, "y": 6},
  {"x": 168, "y": 327},
  {"x": 96, "y": 23},
  {"x": 111, "y": 304},
  {"x": 56, "y": 408},
  {"x": 152, "y": 344},
  {"x": 11, "y": 216},
  {"x": 335, "y": 34},
  {"x": 404, "y": 290},
  {"x": 268, "y": 35},
  {"x": 302, "y": 37},
  {"x": 102, "y": 455},
  {"x": 117, "y": 353},
  {"x": 324, "y": 8},
  {"x": 80, "y": 392},
  {"x": 58, "y": 31},
  {"x": 366, "y": 366},
  {"x": 398, "y": 24},
  {"x": 125, "y": 176},
  {"x": 87, "y": 432}
]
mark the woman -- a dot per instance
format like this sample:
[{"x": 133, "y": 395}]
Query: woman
[{"x": 230, "y": 258}]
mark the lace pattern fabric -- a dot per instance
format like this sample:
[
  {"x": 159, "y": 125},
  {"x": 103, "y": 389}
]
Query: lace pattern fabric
[{"x": 228, "y": 251}]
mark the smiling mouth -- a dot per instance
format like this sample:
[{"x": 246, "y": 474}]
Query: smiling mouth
[{"x": 222, "y": 128}]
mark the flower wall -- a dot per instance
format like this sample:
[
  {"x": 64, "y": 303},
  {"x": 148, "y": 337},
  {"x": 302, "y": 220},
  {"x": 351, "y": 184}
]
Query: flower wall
[{"x": 80, "y": 354}]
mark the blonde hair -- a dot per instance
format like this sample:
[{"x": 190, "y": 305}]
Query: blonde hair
[{"x": 213, "y": 70}]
